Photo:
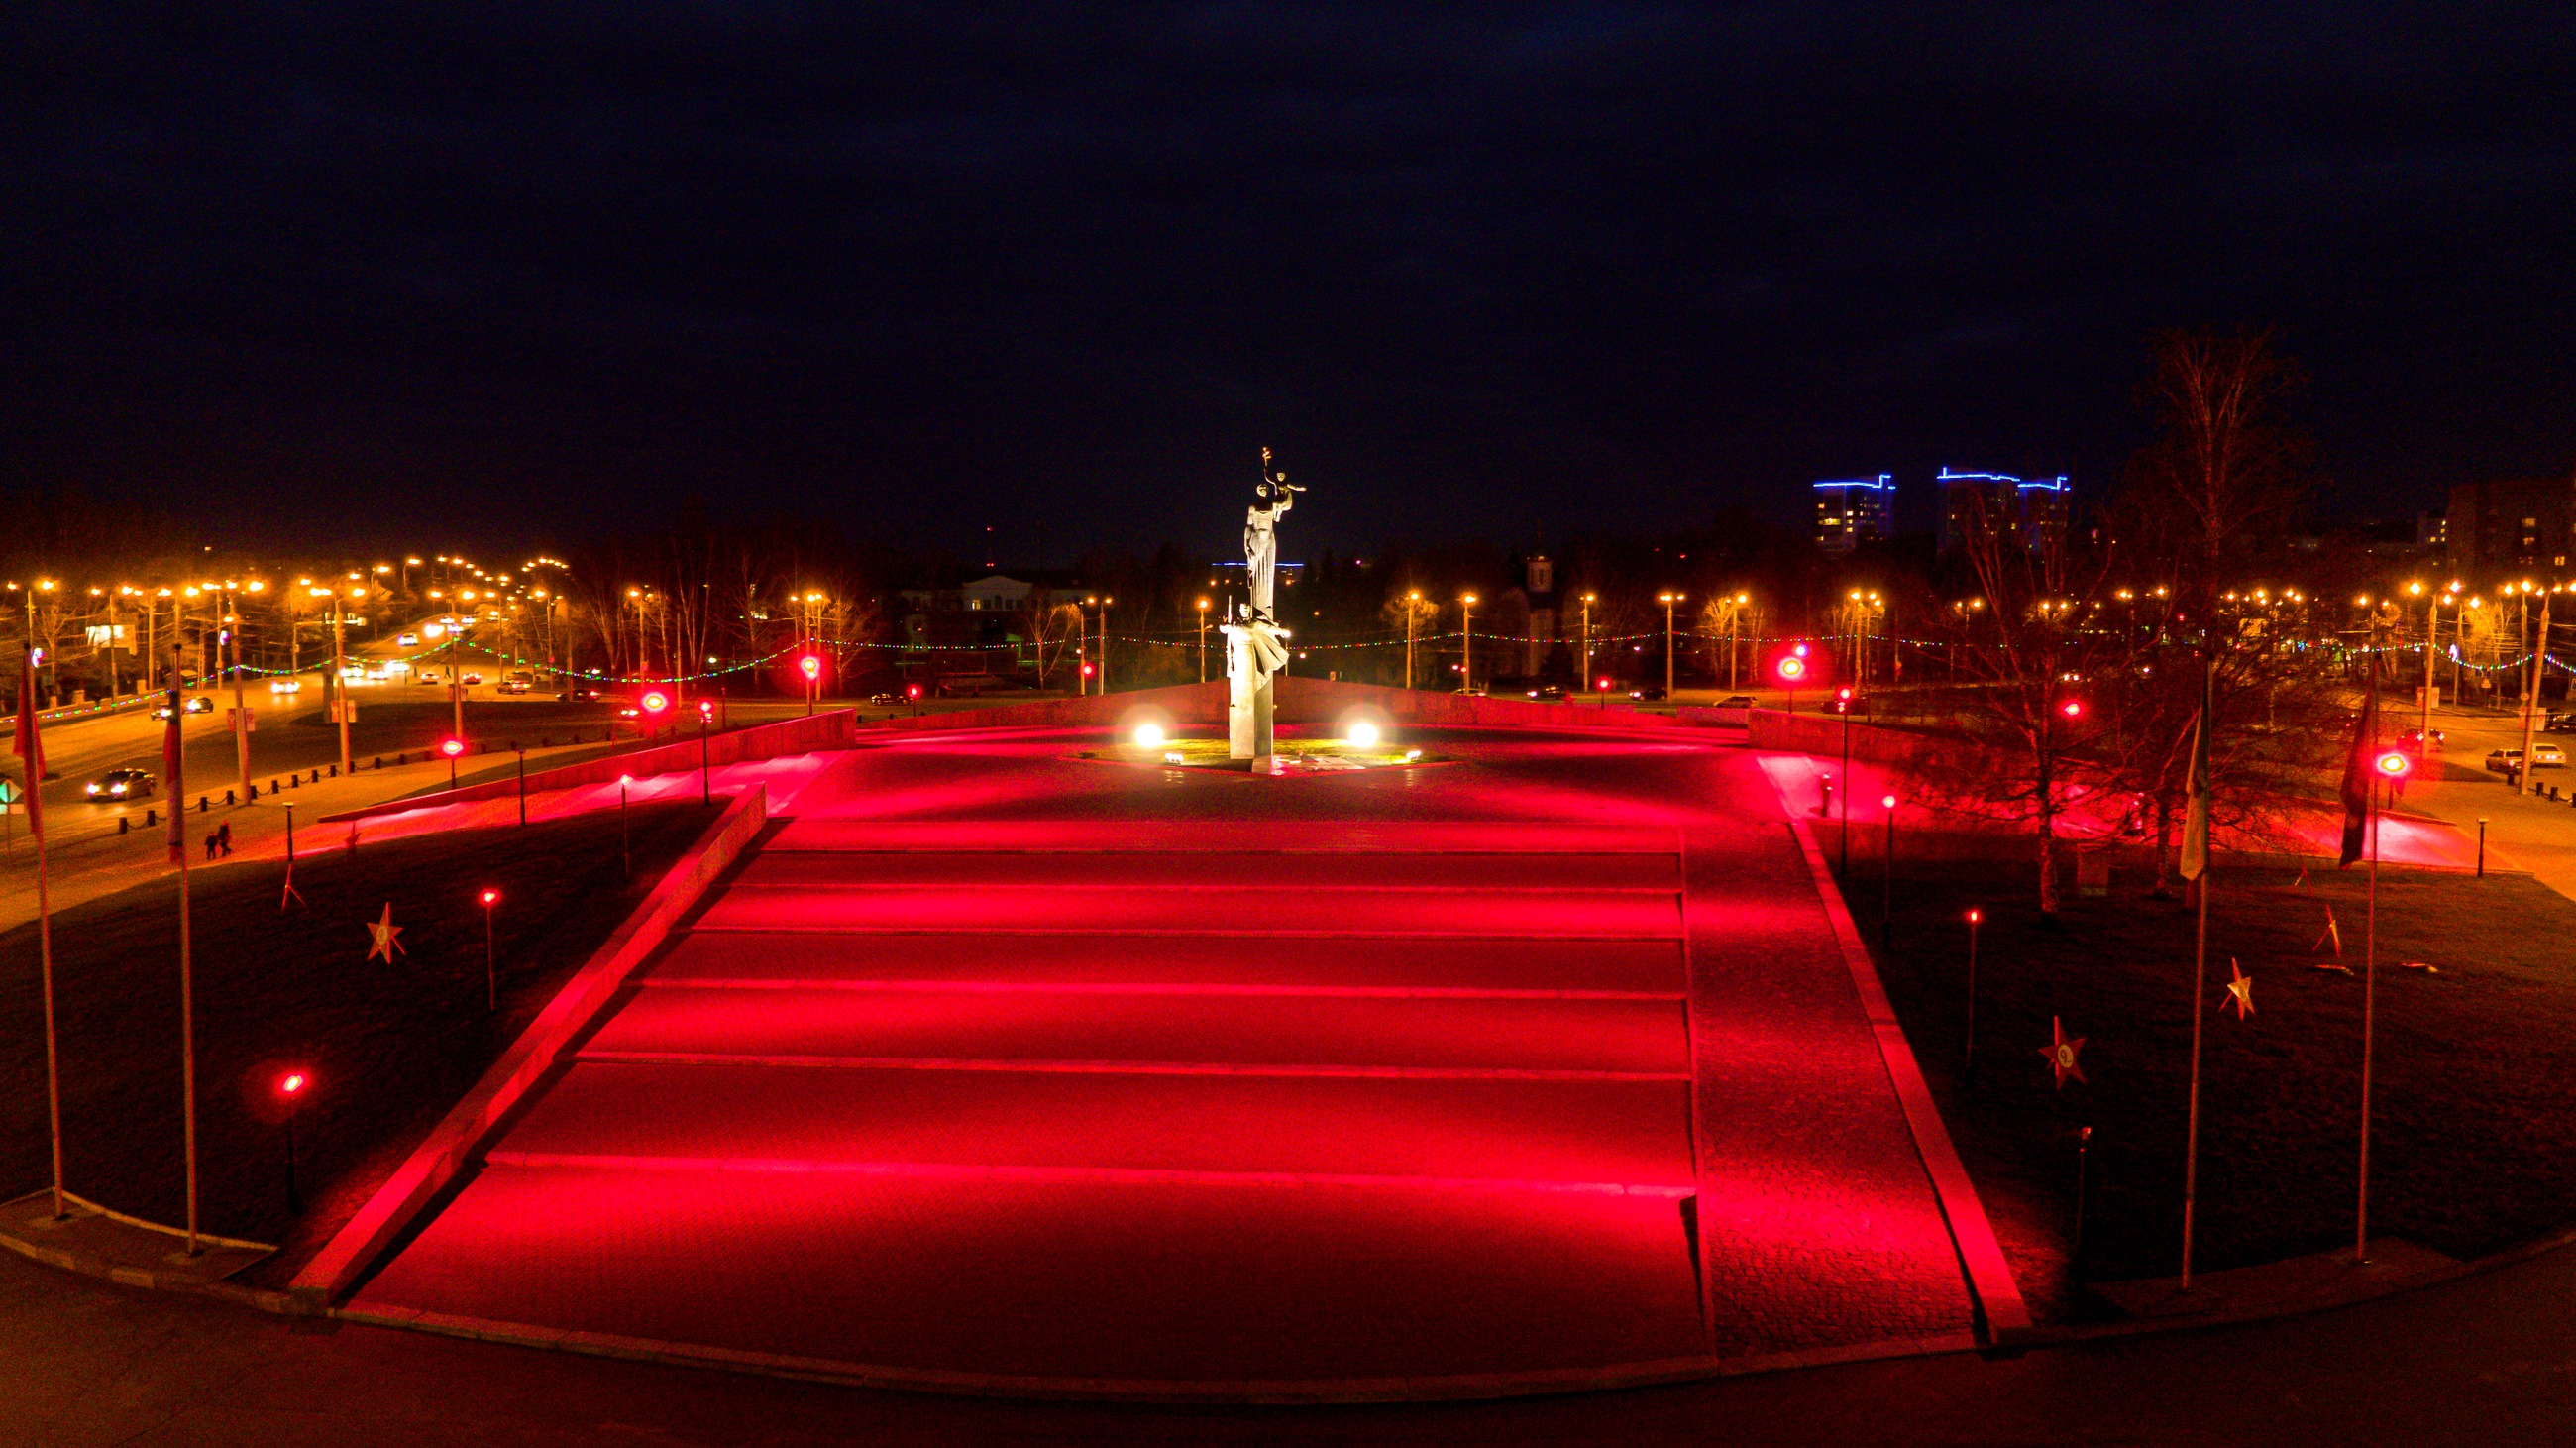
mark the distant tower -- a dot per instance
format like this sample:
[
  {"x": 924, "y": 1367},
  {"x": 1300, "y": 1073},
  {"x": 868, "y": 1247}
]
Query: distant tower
[
  {"x": 2033, "y": 508},
  {"x": 1848, "y": 512}
]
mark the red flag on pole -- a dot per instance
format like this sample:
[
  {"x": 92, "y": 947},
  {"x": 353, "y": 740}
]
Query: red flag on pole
[
  {"x": 29, "y": 745},
  {"x": 176, "y": 783}
]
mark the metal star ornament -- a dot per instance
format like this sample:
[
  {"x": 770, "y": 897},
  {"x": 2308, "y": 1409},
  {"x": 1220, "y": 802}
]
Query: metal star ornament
[
  {"x": 2240, "y": 991},
  {"x": 2061, "y": 1052},
  {"x": 384, "y": 933}
]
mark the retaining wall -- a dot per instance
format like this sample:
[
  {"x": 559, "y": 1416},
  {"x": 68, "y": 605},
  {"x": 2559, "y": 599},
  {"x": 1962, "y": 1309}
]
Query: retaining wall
[{"x": 760, "y": 741}]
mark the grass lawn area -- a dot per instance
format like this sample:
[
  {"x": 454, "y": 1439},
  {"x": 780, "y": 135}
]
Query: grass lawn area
[
  {"x": 2474, "y": 1116},
  {"x": 389, "y": 1048}
]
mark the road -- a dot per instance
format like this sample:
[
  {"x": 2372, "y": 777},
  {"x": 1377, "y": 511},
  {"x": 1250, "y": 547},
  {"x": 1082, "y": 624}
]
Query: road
[{"x": 2524, "y": 832}]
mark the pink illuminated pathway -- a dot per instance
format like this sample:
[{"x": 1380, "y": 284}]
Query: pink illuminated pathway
[{"x": 990, "y": 1066}]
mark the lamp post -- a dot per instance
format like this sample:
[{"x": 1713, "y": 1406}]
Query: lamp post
[
  {"x": 1203, "y": 610},
  {"x": 291, "y": 1086},
  {"x": 1975, "y": 918},
  {"x": 451, "y": 748},
  {"x": 491, "y": 977},
  {"x": 1887, "y": 878},
  {"x": 1843, "y": 702},
  {"x": 1668, "y": 599},
  {"x": 1587, "y": 640},
  {"x": 706, "y": 758},
  {"x": 1412, "y": 610},
  {"x": 2424, "y": 738},
  {"x": 2527, "y": 782},
  {"x": 1734, "y": 634},
  {"x": 1467, "y": 634},
  {"x": 625, "y": 849},
  {"x": 241, "y": 707},
  {"x": 2390, "y": 766}
]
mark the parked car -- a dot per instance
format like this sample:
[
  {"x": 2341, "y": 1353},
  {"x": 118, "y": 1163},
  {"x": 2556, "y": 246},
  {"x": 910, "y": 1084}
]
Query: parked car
[
  {"x": 1736, "y": 701},
  {"x": 119, "y": 784},
  {"x": 1646, "y": 692},
  {"x": 2543, "y": 756},
  {"x": 881, "y": 698},
  {"x": 2560, "y": 722}
]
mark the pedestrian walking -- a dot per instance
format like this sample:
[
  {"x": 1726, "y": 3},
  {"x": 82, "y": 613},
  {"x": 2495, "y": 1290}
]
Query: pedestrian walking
[{"x": 224, "y": 837}]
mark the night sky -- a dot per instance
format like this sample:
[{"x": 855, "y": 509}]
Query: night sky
[{"x": 502, "y": 273}]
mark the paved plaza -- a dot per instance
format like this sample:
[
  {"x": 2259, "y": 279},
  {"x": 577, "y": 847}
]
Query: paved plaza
[{"x": 995, "y": 1067}]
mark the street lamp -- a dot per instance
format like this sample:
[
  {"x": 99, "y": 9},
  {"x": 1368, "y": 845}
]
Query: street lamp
[
  {"x": 1412, "y": 612},
  {"x": 291, "y": 1086},
  {"x": 1668, "y": 600},
  {"x": 451, "y": 747},
  {"x": 625, "y": 849},
  {"x": 1203, "y": 612},
  {"x": 1588, "y": 601},
  {"x": 491, "y": 978},
  {"x": 1467, "y": 629}
]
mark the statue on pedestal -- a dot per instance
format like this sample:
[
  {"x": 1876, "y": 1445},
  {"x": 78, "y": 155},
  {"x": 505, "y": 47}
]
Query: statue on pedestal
[{"x": 1254, "y": 647}]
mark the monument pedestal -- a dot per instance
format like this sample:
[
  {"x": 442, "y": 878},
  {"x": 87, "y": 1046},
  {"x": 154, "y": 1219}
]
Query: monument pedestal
[{"x": 1248, "y": 705}]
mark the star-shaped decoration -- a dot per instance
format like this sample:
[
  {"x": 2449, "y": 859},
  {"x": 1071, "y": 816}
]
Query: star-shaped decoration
[
  {"x": 2240, "y": 991},
  {"x": 2061, "y": 1052},
  {"x": 384, "y": 932}
]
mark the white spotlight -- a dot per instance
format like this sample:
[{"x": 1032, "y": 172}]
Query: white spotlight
[
  {"x": 1363, "y": 734},
  {"x": 1149, "y": 736}
]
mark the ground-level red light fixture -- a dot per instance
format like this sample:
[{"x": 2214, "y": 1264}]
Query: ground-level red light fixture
[{"x": 291, "y": 1086}]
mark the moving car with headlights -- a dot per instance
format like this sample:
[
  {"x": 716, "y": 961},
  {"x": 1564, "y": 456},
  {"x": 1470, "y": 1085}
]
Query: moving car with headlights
[
  {"x": 581, "y": 694},
  {"x": 517, "y": 681},
  {"x": 119, "y": 784},
  {"x": 196, "y": 704}
]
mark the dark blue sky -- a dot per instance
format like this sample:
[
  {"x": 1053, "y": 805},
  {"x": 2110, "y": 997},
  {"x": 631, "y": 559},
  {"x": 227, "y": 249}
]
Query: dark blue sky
[{"x": 1489, "y": 268}]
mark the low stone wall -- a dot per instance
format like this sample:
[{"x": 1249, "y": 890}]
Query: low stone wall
[
  {"x": 1300, "y": 701},
  {"x": 761, "y": 741}
]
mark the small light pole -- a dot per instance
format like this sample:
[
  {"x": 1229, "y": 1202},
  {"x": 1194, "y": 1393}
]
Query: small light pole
[
  {"x": 1843, "y": 702},
  {"x": 706, "y": 765},
  {"x": 1791, "y": 670},
  {"x": 1975, "y": 917},
  {"x": 2482, "y": 847},
  {"x": 291, "y": 1086},
  {"x": 1588, "y": 601},
  {"x": 1668, "y": 599},
  {"x": 1411, "y": 597},
  {"x": 1467, "y": 633},
  {"x": 451, "y": 747},
  {"x": 523, "y": 787},
  {"x": 1203, "y": 608},
  {"x": 1887, "y": 878},
  {"x": 625, "y": 852},
  {"x": 491, "y": 978},
  {"x": 812, "y": 668}
]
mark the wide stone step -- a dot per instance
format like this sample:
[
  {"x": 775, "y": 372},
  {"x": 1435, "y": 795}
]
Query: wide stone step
[
  {"x": 1481, "y": 1129},
  {"x": 1273, "y": 872},
  {"x": 1265, "y": 965},
  {"x": 1053, "y": 1281},
  {"x": 1246, "y": 910},
  {"x": 1365, "y": 1033}
]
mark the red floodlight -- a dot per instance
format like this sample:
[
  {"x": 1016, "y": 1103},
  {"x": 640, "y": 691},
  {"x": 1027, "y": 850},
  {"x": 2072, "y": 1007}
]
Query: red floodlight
[
  {"x": 491, "y": 898},
  {"x": 706, "y": 708},
  {"x": 1975, "y": 915},
  {"x": 2072, "y": 708},
  {"x": 915, "y": 690},
  {"x": 811, "y": 667},
  {"x": 2394, "y": 765},
  {"x": 1888, "y": 802},
  {"x": 451, "y": 747},
  {"x": 291, "y": 1083},
  {"x": 1603, "y": 685},
  {"x": 655, "y": 701},
  {"x": 1086, "y": 671}
]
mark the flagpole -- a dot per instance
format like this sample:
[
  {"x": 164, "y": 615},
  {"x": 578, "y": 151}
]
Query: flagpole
[
  {"x": 2370, "y": 981},
  {"x": 173, "y": 746},
  {"x": 31, "y": 747},
  {"x": 2198, "y": 830}
]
